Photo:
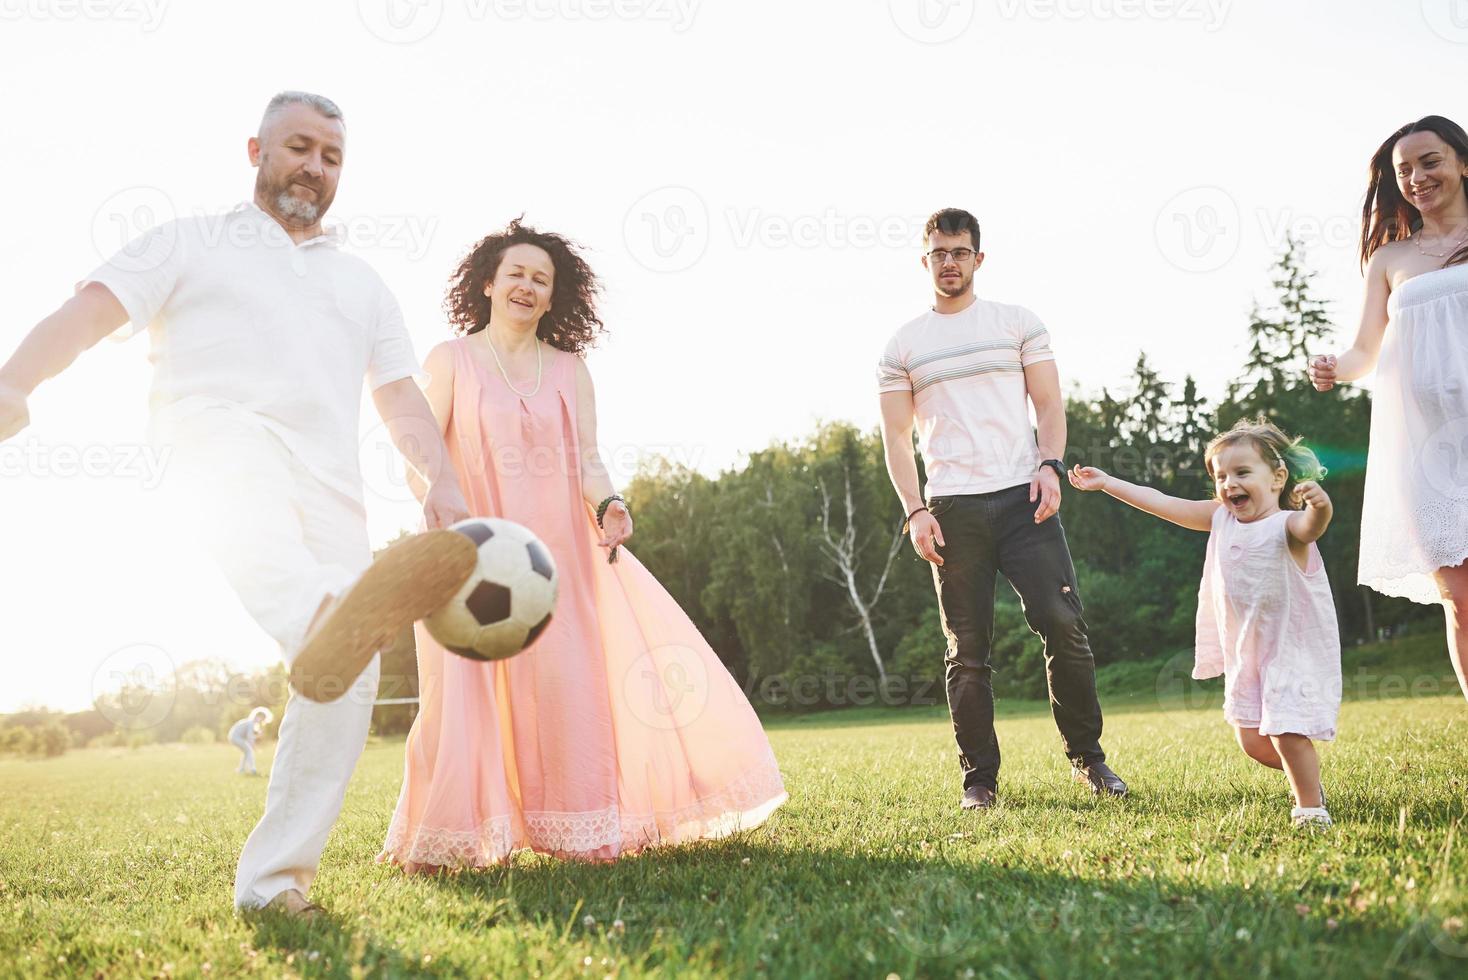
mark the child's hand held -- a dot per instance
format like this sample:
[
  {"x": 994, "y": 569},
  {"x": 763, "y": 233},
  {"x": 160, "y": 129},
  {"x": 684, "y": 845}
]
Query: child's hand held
[
  {"x": 1087, "y": 477},
  {"x": 1311, "y": 494}
]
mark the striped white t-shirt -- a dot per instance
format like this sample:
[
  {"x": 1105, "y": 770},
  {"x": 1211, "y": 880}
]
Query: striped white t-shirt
[{"x": 966, "y": 374}]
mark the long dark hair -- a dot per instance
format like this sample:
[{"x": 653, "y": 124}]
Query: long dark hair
[
  {"x": 570, "y": 325},
  {"x": 1387, "y": 216}
]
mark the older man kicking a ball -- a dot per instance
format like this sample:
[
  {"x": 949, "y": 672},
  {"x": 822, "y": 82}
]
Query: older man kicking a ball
[{"x": 261, "y": 333}]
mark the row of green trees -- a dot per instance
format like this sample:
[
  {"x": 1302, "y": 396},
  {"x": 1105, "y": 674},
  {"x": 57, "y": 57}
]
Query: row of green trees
[{"x": 793, "y": 568}]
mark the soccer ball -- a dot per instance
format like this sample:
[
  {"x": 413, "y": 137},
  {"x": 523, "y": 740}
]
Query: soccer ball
[{"x": 507, "y": 601}]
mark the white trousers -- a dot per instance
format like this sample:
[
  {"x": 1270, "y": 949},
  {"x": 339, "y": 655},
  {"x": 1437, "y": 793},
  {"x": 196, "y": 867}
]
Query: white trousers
[
  {"x": 247, "y": 755},
  {"x": 285, "y": 542}
]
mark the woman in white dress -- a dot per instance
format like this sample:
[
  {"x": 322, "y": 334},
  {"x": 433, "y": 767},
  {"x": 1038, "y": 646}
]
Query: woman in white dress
[{"x": 1414, "y": 333}]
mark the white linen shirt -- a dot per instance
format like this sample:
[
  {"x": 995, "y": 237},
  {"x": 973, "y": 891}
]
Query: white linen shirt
[
  {"x": 966, "y": 373},
  {"x": 242, "y": 318}
]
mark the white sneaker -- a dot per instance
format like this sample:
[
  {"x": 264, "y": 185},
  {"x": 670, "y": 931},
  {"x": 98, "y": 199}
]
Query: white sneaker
[{"x": 1310, "y": 816}]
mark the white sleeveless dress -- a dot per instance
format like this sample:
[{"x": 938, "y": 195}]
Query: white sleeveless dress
[
  {"x": 1414, "y": 517},
  {"x": 1269, "y": 628}
]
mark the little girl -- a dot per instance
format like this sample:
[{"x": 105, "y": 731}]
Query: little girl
[
  {"x": 242, "y": 735},
  {"x": 1266, "y": 619}
]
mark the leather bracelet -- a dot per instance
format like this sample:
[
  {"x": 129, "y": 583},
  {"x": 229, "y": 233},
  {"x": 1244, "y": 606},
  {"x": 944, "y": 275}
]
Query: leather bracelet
[{"x": 908, "y": 521}]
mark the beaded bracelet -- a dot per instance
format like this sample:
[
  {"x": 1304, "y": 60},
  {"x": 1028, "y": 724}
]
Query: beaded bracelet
[{"x": 601, "y": 513}]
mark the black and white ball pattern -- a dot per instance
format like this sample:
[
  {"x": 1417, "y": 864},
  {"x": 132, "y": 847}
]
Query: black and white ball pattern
[{"x": 507, "y": 602}]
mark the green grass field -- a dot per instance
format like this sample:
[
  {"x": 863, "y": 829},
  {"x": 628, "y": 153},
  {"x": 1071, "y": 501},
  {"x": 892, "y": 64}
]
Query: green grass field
[{"x": 119, "y": 863}]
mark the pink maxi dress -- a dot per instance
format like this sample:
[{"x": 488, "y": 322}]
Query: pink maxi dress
[{"x": 618, "y": 728}]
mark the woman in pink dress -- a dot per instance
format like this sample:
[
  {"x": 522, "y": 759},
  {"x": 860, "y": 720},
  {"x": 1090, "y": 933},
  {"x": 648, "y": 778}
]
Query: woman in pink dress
[{"x": 618, "y": 728}]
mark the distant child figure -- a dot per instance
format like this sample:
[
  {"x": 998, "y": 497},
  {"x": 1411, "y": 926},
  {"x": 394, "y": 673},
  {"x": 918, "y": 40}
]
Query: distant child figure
[
  {"x": 1266, "y": 618},
  {"x": 242, "y": 736}
]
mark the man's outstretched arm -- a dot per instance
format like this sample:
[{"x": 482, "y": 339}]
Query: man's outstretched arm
[
  {"x": 416, "y": 434},
  {"x": 51, "y": 346}
]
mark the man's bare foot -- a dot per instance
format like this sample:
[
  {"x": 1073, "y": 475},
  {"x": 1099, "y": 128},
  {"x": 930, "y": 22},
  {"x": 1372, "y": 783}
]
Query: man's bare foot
[
  {"x": 407, "y": 582},
  {"x": 292, "y": 904}
]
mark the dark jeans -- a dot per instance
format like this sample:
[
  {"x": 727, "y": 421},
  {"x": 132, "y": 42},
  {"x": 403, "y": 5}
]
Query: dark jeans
[{"x": 995, "y": 533}]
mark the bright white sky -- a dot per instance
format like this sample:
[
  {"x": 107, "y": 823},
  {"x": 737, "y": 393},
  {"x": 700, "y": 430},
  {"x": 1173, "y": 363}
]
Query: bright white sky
[{"x": 750, "y": 178}]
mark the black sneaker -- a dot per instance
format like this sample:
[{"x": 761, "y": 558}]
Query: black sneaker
[{"x": 1099, "y": 777}]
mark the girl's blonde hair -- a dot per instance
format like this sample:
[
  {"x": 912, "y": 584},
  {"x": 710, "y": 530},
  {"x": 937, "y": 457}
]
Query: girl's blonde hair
[{"x": 1276, "y": 449}]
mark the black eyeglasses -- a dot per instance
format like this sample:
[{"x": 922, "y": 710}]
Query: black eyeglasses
[{"x": 941, "y": 255}]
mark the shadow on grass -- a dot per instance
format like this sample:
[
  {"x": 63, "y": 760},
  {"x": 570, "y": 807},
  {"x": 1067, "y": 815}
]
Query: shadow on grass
[{"x": 747, "y": 905}]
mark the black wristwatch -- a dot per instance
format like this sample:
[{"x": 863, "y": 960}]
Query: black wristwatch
[{"x": 1056, "y": 465}]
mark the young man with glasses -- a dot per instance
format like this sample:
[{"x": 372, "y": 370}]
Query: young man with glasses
[{"x": 965, "y": 371}]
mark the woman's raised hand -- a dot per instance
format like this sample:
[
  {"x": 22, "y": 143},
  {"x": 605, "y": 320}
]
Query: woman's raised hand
[
  {"x": 1087, "y": 477},
  {"x": 1321, "y": 369}
]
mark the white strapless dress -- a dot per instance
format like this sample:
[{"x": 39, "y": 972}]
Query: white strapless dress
[{"x": 1414, "y": 518}]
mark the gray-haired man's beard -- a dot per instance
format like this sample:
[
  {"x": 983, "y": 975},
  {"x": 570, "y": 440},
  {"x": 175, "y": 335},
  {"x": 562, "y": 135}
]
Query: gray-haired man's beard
[{"x": 295, "y": 209}]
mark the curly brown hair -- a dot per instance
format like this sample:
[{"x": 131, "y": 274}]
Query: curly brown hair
[{"x": 570, "y": 325}]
